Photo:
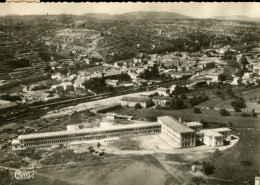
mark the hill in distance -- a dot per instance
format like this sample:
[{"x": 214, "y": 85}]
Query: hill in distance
[
  {"x": 140, "y": 15},
  {"x": 237, "y": 18}
]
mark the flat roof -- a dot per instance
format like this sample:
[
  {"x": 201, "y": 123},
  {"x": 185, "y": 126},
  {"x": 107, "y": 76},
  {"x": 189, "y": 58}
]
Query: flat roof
[
  {"x": 8, "y": 105},
  {"x": 135, "y": 99},
  {"x": 190, "y": 124},
  {"x": 15, "y": 142},
  {"x": 175, "y": 124},
  {"x": 210, "y": 132},
  {"x": 99, "y": 129}
]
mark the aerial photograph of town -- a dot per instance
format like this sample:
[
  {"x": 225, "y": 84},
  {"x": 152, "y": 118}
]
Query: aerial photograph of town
[{"x": 130, "y": 93}]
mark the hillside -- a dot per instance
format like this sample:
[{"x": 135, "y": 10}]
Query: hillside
[
  {"x": 138, "y": 16},
  {"x": 237, "y": 17}
]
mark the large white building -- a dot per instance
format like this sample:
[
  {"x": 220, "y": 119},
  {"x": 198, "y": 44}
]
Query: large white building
[
  {"x": 215, "y": 137},
  {"x": 176, "y": 134},
  {"x": 83, "y": 135}
]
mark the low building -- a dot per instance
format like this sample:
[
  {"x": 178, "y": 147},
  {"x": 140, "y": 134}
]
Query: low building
[
  {"x": 112, "y": 82},
  {"x": 114, "y": 116},
  {"x": 212, "y": 138},
  {"x": 132, "y": 101},
  {"x": 85, "y": 135},
  {"x": 176, "y": 134},
  {"x": 163, "y": 91},
  {"x": 161, "y": 101}
]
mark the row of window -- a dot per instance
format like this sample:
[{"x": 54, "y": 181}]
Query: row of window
[
  {"x": 94, "y": 133},
  {"x": 90, "y": 138}
]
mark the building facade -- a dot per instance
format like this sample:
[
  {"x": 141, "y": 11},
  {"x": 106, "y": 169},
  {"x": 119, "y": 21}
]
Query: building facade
[
  {"x": 132, "y": 101},
  {"x": 81, "y": 135},
  {"x": 212, "y": 138},
  {"x": 176, "y": 134},
  {"x": 161, "y": 101}
]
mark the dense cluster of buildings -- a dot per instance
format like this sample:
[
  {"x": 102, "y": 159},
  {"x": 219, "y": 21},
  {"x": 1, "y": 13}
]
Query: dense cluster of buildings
[{"x": 174, "y": 132}]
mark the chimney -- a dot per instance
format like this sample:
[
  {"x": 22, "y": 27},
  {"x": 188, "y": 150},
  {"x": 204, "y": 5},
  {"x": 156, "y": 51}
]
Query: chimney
[{"x": 180, "y": 120}]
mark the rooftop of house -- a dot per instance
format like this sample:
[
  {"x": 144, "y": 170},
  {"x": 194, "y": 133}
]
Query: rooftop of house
[
  {"x": 210, "y": 132},
  {"x": 161, "y": 98},
  {"x": 175, "y": 124}
]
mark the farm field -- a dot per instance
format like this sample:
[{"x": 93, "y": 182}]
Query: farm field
[{"x": 225, "y": 104}]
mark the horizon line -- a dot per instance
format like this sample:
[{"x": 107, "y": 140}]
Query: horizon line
[{"x": 130, "y": 12}]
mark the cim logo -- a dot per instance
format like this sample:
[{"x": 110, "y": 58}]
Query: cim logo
[{"x": 22, "y": 175}]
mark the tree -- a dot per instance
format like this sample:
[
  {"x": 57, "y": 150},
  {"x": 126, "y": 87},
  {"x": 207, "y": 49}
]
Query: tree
[
  {"x": 196, "y": 110},
  {"x": 176, "y": 104},
  {"x": 204, "y": 123},
  {"x": 180, "y": 90},
  {"x": 221, "y": 77},
  {"x": 138, "y": 106},
  {"x": 224, "y": 112},
  {"x": 238, "y": 104},
  {"x": 63, "y": 71},
  {"x": 243, "y": 61},
  {"x": 254, "y": 113},
  {"x": 98, "y": 145}
]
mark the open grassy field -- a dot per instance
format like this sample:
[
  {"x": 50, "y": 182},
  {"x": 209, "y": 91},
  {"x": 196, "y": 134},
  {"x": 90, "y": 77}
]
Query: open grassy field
[
  {"x": 144, "y": 170},
  {"x": 242, "y": 160}
]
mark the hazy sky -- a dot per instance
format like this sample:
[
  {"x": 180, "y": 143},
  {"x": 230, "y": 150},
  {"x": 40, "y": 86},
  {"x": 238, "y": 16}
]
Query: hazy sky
[{"x": 195, "y": 9}]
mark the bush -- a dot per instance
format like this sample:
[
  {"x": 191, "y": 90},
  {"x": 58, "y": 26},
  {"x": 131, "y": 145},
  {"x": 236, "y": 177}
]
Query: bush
[
  {"x": 208, "y": 168},
  {"x": 138, "y": 106},
  {"x": 224, "y": 112},
  {"x": 196, "y": 110},
  {"x": 151, "y": 118}
]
